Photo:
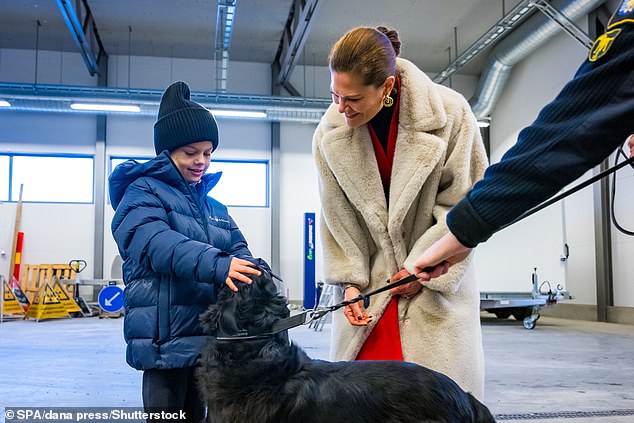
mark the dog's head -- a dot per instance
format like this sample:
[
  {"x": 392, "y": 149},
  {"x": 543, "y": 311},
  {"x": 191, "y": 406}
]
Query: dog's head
[{"x": 251, "y": 310}]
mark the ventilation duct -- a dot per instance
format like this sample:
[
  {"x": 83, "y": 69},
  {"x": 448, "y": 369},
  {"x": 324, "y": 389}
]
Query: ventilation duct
[
  {"x": 58, "y": 98},
  {"x": 518, "y": 45}
]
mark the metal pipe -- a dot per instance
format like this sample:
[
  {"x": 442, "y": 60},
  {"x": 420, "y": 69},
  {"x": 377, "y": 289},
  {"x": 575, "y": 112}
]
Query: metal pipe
[{"x": 518, "y": 45}]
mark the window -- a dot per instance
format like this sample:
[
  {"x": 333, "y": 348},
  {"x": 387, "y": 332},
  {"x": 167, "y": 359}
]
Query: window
[
  {"x": 243, "y": 183},
  {"x": 116, "y": 161},
  {"x": 59, "y": 179},
  {"x": 4, "y": 178}
]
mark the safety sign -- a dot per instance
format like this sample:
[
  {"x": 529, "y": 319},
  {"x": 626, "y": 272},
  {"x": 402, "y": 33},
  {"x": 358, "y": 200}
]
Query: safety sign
[{"x": 111, "y": 298}]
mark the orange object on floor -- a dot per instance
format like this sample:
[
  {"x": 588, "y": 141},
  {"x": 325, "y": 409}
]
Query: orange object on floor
[{"x": 384, "y": 343}]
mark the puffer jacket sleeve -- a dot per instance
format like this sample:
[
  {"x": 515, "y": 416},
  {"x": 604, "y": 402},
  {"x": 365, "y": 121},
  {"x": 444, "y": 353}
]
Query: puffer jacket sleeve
[
  {"x": 239, "y": 246},
  {"x": 142, "y": 232}
]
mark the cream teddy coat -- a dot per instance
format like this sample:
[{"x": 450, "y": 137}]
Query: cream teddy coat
[{"x": 439, "y": 156}]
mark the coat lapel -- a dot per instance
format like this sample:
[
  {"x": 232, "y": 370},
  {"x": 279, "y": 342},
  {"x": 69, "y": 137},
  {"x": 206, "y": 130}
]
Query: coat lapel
[
  {"x": 415, "y": 158},
  {"x": 351, "y": 158},
  {"x": 419, "y": 150}
]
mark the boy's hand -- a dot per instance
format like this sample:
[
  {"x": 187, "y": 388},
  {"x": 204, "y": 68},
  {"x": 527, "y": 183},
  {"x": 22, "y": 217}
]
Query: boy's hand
[{"x": 239, "y": 270}]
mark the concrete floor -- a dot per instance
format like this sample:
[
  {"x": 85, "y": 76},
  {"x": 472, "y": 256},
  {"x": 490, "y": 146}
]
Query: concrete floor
[{"x": 561, "y": 371}]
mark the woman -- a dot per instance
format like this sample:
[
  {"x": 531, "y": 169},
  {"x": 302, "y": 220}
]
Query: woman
[
  {"x": 179, "y": 246},
  {"x": 394, "y": 152}
]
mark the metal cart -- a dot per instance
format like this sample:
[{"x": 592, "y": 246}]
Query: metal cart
[{"x": 523, "y": 306}]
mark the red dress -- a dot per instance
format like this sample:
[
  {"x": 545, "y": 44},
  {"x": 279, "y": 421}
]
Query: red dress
[{"x": 384, "y": 343}]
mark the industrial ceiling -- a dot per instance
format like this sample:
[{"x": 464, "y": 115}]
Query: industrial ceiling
[{"x": 434, "y": 33}]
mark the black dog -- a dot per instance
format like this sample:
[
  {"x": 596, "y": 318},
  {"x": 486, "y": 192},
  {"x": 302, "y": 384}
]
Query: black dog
[{"x": 265, "y": 378}]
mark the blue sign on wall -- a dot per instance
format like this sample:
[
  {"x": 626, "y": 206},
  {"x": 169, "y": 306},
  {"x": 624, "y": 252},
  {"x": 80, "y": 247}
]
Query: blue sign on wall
[
  {"x": 309, "y": 260},
  {"x": 111, "y": 298}
]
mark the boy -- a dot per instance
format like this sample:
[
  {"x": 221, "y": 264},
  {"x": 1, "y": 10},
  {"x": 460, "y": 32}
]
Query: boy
[{"x": 178, "y": 247}]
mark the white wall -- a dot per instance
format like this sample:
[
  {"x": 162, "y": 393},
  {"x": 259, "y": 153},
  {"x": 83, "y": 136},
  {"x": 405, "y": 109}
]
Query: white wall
[
  {"x": 299, "y": 194},
  {"x": 53, "y": 67},
  {"x": 579, "y": 228},
  {"x": 314, "y": 81},
  {"x": 505, "y": 262},
  {"x": 159, "y": 72},
  {"x": 623, "y": 245}
]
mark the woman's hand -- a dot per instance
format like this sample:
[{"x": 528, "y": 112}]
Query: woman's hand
[
  {"x": 239, "y": 270},
  {"x": 354, "y": 312},
  {"x": 408, "y": 290}
]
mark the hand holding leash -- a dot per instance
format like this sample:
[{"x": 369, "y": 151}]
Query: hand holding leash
[
  {"x": 355, "y": 312},
  {"x": 354, "y": 297},
  {"x": 365, "y": 298},
  {"x": 406, "y": 291}
]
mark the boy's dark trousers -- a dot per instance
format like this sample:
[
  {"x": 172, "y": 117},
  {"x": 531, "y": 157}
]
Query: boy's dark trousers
[{"x": 172, "y": 391}]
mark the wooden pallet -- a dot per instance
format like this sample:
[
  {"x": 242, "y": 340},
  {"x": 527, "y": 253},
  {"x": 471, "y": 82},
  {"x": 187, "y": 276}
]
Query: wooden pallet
[{"x": 34, "y": 276}]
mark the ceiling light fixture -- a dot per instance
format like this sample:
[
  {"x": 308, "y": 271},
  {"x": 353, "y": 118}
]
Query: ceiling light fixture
[
  {"x": 57, "y": 98},
  {"x": 224, "y": 28},
  {"x": 94, "y": 107},
  {"x": 4, "y": 103},
  {"x": 239, "y": 114}
]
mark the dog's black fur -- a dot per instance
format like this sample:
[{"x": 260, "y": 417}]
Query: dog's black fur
[{"x": 271, "y": 380}]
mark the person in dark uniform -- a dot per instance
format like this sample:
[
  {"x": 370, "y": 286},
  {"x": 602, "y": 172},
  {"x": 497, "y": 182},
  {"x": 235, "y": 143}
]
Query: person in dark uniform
[{"x": 584, "y": 124}]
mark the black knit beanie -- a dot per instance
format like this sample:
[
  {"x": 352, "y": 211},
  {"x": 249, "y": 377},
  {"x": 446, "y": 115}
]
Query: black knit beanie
[{"x": 182, "y": 121}]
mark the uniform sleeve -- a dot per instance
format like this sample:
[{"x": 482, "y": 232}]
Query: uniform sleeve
[
  {"x": 586, "y": 122},
  {"x": 345, "y": 249},
  {"x": 141, "y": 230}
]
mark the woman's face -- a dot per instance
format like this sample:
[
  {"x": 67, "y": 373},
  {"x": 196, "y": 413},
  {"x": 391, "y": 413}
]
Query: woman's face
[
  {"x": 192, "y": 160},
  {"x": 359, "y": 103}
]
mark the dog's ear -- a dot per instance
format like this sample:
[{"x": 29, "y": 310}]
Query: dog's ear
[
  {"x": 220, "y": 319},
  {"x": 226, "y": 317},
  {"x": 209, "y": 319}
]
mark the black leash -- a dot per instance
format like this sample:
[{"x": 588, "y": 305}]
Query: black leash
[
  {"x": 308, "y": 316},
  {"x": 366, "y": 297},
  {"x": 319, "y": 313},
  {"x": 571, "y": 191},
  {"x": 429, "y": 269},
  {"x": 314, "y": 314}
]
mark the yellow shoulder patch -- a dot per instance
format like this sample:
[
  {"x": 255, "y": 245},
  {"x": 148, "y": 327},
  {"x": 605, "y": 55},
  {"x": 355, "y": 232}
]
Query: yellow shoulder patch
[{"x": 603, "y": 44}]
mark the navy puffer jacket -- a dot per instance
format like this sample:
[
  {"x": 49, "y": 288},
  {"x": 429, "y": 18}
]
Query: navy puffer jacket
[{"x": 176, "y": 243}]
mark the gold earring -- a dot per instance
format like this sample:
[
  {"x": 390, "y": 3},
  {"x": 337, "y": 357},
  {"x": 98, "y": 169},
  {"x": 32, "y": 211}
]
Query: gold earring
[{"x": 388, "y": 101}]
